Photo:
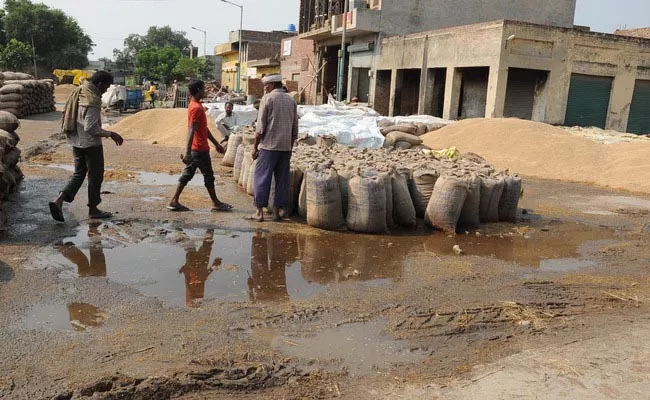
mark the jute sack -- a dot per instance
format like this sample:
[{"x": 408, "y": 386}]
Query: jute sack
[
  {"x": 239, "y": 161},
  {"x": 16, "y": 76},
  {"x": 302, "y": 197},
  {"x": 231, "y": 151},
  {"x": 8, "y": 121},
  {"x": 15, "y": 111},
  {"x": 404, "y": 137},
  {"x": 415, "y": 198},
  {"x": 12, "y": 157},
  {"x": 403, "y": 145},
  {"x": 10, "y": 138},
  {"x": 6, "y": 105},
  {"x": 246, "y": 167},
  {"x": 387, "y": 177},
  {"x": 295, "y": 180},
  {"x": 344, "y": 176},
  {"x": 491, "y": 190},
  {"x": 324, "y": 200},
  {"x": 510, "y": 199},
  {"x": 11, "y": 97},
  {"x": 424, "y": 180},
  {"x": 406, "y": 128},
  {"x": 470, "y": 216},
  {"x": 403, "y": 209},
  {"x": 446, "y": 203},
  {"x": 250, "y": 182},
  {"x": 11, "y": 88},
  {"x": 367, "y": 205}
]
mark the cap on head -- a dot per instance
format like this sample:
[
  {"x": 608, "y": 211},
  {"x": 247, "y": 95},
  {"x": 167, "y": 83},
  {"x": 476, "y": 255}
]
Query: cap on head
[{"x": 272, "y": 79}]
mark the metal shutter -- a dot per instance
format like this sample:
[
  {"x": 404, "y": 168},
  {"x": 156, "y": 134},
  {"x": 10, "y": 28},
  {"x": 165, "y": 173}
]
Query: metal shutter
[
  {"x": 639, "y": 121},
  {"x": 588, "y": 100},
  {"x": 520, "y": 94}
]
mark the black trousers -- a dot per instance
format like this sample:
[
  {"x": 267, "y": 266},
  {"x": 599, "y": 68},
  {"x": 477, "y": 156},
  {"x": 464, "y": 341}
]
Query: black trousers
[
  {"x": 87, "y": 161},
  {"x": 200, "y": 160}
]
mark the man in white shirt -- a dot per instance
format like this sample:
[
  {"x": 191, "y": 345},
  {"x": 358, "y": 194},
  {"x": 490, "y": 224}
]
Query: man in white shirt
[{"x": 227, "y": 121}]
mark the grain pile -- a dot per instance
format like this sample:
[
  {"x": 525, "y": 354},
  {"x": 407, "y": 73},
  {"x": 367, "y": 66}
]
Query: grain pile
[
  {"x": 374, "y": 190},
  {"x": 10, "y": 173},
  {"x": 62, "y": 92},
  {"x": 166, "y": 126},
  {"x": 539, "y": 150},
  {"x": 22, "y": 95}
]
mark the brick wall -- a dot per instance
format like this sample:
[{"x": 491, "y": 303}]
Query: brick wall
[{"x": 297, "y": 67}]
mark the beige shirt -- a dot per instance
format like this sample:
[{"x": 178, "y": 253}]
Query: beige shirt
[
  {"x": 89, "y": 128},
  {"x": 277, "y": 121}
]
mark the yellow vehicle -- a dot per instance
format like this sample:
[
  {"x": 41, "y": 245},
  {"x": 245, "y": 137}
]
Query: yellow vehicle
[{"x": 71, "y": 76}]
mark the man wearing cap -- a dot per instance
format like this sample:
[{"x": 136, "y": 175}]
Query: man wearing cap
[{"x": 275, "y": 135}]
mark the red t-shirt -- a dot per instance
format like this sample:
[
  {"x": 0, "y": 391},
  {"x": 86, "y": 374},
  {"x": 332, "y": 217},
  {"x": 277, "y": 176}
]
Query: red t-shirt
[{"x": 196, "y": 114}]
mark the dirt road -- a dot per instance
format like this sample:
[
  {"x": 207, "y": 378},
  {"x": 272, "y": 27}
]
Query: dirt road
[{"x": 198, "y": 305}]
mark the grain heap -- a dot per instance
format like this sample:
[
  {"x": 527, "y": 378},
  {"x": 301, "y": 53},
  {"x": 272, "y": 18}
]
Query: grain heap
[
  {"x": 10, "y": 173},
  {"x": 374, "y": 190},
  {"x": 22, "y": 95}
]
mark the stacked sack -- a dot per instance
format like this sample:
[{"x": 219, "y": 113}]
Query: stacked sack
[
  {"x": 10, "y": 173},
  {"x": 375, "y": 190},
  {"x": 405, "y": 136},
  {"x": 22, "y": 95}
]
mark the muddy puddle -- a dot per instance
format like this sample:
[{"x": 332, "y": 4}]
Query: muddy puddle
[
  {"x": 186, "y": 266},
  {"x": 69, "y": 317},
  {"x": 142, "y": 177},
  {"x": 359, "y": 348}
]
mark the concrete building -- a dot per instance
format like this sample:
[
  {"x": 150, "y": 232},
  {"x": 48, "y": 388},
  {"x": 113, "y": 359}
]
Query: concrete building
[
  {"x": 260, "y": 55},
  {"x": 488, "y": 58},
  {"x": 369, "y": 21},
  {"x": 517, "y": 69}
]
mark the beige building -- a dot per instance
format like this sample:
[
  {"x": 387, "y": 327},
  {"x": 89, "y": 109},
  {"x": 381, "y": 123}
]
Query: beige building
[{"x": 550, "y": 74}]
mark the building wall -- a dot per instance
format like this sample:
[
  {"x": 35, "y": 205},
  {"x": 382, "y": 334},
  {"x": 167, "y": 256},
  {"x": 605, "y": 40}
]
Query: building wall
[
  {"x": 501, "y": 45},
  {"x": 402, "y": 17},
  {"x": 298, "y": 66}
]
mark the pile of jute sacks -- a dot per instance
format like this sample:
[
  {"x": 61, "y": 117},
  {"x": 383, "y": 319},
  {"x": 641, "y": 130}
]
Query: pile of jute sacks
[
  {"x": 22, "y": 95},
  {"x": 376, "y": 190},
  {"x": 405, "y": 135},
  {"x": 10, "y": 173}
]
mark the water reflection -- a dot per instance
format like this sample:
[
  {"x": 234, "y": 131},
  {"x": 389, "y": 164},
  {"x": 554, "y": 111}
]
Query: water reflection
[
  {"x": 270, "y": 257},
  {"x": 197, "y": 269},
  {"x": 96, "y": 265},
  {"x": 84, "y": 316}
]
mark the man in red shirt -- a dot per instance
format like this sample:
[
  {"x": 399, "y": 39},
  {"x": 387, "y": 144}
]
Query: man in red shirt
[{"x": 197, "y": 153}]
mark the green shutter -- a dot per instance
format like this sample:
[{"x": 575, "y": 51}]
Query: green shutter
[
  {"x": 588, "y": 101},
  {"x": 640, "y": 109}
]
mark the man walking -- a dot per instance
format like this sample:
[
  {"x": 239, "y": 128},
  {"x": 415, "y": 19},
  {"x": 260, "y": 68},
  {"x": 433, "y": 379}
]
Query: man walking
[
  {"x": 275, "y": 135},
  {"x": 82, "y": 125},
  {"x": 197, "y": 151}
]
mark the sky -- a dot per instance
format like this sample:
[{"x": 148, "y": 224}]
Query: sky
[{"x": 108, "y": 22}]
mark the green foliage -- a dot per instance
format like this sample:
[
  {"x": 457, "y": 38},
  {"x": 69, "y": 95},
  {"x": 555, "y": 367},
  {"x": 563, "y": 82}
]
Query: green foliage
[
  {"x": 201, "y": 68},
  {"x": 15, "y": 56},
  {"x": 58, "y": 39},
  {"x": 157, "y": 64}
]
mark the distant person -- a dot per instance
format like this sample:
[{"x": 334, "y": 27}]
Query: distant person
[
  {"x": 152, "y": 94},
  {"x": 276, "y": 133},
  {"x": 227, "y": 121},
  {"x": 82, "y": 125},
  {"x": 197, "y": 153}
]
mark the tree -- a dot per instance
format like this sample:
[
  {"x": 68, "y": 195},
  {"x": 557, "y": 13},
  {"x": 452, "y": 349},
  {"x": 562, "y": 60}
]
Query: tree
[
  {"x": 15, "y": 56},
  {"x": 58, "y": 39},
  {"x": 157, "y": 64},
  {"x": 201, "y": 68}
]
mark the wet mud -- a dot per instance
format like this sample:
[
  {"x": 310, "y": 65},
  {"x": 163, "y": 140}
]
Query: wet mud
[{"x": 155, "y": 304}]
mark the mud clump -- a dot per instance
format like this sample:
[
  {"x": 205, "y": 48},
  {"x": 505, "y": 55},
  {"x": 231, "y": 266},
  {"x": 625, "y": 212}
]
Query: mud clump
[{"x": 209, "y": 376}]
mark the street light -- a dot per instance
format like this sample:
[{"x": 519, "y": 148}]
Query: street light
[
  {"x": 205, "y": 40},
  {"x": 241, "y": 23}
]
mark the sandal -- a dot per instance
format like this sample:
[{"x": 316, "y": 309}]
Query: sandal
[
  {"x": 101, "y": 215},
  {"x": 178, "y": 208},
  {"x": 56, "y": 212},
  {"x": 222, "y": 207},
  {"x": 254, "y": 218}
]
